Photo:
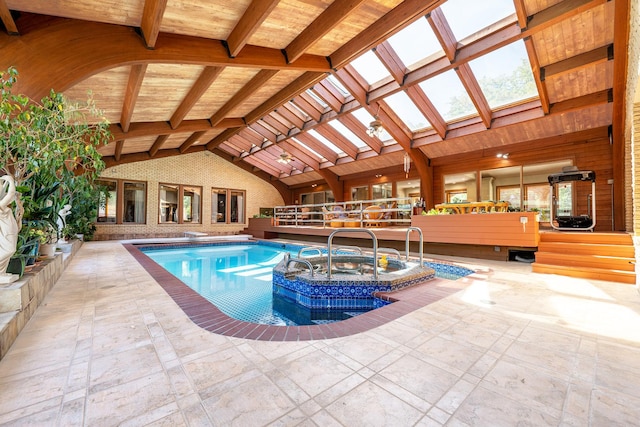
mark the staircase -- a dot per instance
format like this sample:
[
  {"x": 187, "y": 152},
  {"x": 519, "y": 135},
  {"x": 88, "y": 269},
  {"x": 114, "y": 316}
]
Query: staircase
[{"x": 600, "y": 256}]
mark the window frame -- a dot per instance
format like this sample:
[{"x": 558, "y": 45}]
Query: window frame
[
  {"x": 180, "y": 204},
  {"x": 120, "y": 204}
]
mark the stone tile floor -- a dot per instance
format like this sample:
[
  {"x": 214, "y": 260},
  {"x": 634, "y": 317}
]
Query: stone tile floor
[{"x": 109, "y": 347}]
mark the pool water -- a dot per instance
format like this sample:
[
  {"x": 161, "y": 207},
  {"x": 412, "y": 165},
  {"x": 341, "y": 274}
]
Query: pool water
[{"x": 237, "y": 278}]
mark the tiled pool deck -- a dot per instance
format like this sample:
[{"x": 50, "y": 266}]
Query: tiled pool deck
[{"x": 505, "y": 347}]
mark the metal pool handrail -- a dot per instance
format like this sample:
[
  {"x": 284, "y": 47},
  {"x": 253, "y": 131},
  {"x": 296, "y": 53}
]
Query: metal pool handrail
[
  {"x": 309, "y": 249},
  {"x": 354, "y": 230},
  {"x": 390, "y": 251},
  {"x": 409, "y": 230},
  {"x": 346, "y": 248},
  {"x": 301, "y": 261}
]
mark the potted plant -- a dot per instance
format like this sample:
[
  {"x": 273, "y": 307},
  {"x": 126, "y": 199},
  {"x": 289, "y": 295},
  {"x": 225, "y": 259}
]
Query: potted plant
[{"x": 48, "y": 236}]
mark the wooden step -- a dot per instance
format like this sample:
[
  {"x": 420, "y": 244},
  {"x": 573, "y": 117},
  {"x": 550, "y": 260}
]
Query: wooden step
[
  {"x": 586, "y": 237},
  {"x": 592, "y": 261},
  {"x": 625, "y": 251},
  {"x": 586, "y": 273}
]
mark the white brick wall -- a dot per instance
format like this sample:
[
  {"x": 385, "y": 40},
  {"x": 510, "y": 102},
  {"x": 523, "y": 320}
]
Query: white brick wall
[{"x": 203, "y": 169}]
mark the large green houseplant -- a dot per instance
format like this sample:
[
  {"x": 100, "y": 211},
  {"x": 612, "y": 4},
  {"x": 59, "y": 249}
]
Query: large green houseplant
[{"x": 54, "y": 139}]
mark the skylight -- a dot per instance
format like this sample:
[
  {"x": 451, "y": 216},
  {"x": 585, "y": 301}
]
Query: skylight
[
  {"x": 305, "y": 147},
  {"x": 468, "y": 17},
  {"x": 326, "y": 142},
  {"x": 363, "y": 116},
  {"x": 344, "y": 131},
  {"x": 370, "y": 67},
  {"x": 335, "y": 82},
  {"x": 449, "y": 96},
  {"x": 505, "y": 75},
  {"x": 410, "y": 52},
  {"x": 407, "y": 111}
]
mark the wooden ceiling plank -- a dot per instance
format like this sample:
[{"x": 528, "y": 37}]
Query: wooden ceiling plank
[
  {"x": 202, "y": 84},
  {"x": 470, "y": 83},
  {"x": 353, "y": 82},
  {"x": 560, "y": 12},
  {"x": 290, "y": 116},
  {"x": 247, "y": 91},
  {"x": 427, "y": 108},
  {"x": 252, "y": 137},
  {"x": 338, "y": 140},
  {"x": 141, "y": 129},
  {"x": 537, "y": 74},
  {"x": 276, "y": 124},
  {"x": 391, "y": 61},
  {"x": 272, "y": 153},
  {"x": 250, "y": 21},
  {"x": 225, "y": 146},
  {"x": 360, "y": 131},
  {"x": 331, "y": 88},
  {"x": 264, "y": 131},
  {"x": 136, "y": 76},
  {"x": 157, "y": 145},
  {"x": 224, "y": 135},
  {"x": 390, "y": 23},
  {"x": 7, "y": 19},
  {"x": 193, "y": 138},
  {"x": 325, "y": 22},
  {"x": 327, "y": 97},
  {"x": 264, "y": 165},
  {"x": 443, "y": 33},
  {"x": 313, "y": 102},
  {"x": 151, "y": 20}
]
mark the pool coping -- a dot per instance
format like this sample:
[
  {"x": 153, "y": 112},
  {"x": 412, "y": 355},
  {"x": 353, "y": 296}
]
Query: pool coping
[{"x": 209, "y": 317}]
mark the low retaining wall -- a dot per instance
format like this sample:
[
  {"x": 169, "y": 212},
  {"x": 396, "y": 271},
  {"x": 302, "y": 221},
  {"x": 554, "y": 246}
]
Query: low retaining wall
[{"x": 19, "y": 300}]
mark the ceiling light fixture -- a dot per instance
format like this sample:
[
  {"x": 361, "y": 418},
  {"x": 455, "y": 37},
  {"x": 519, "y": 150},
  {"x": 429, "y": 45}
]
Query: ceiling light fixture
[
  {"x": 502, "y": 155},
  {"x": 375, "y": 127},
  {"x": 285, "y": 158}
]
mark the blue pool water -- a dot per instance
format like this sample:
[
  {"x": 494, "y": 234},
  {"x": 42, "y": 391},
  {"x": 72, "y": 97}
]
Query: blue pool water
[{"x": 237, "y": 278}]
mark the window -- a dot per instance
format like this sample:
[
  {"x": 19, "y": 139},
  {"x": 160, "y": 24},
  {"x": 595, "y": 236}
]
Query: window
[
  {"x": 179, "y": 204},
  {"x": 228, "y": 206},
  {"x": 360, "y": 193},
  {"x": 122, "y": 202},
  {"x": 456, "y": 196},
  {"x": 382, "y": 191}
]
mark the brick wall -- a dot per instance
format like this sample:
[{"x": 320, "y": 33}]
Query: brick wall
[{"x": 202, "y": 169}]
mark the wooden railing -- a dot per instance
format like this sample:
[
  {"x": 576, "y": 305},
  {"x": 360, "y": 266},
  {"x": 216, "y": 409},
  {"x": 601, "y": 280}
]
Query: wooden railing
[{"x": 393, "y": 211}]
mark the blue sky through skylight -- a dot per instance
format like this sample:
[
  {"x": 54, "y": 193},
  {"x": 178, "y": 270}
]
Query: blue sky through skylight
[
  {"x": 467, "y": 17},
  {"x": 415, "y": 42},
  {"x": 370, "y": 67},
  {"x": 449, "y": 96}
]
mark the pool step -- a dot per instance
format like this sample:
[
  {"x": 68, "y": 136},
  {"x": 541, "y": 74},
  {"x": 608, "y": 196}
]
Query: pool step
[{"x": 599, "y": 256}]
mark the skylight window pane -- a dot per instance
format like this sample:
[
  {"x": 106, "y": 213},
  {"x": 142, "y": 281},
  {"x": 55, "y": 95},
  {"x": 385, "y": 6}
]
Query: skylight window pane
[
  {"x": 370, "y": 67},
  {"x": 449, "y": 96},
  {"x": 505, "y": 75},
  {"x": 410, "y": 52},
  {"x": 326, "y": 142},
  {"x": 407, "y": 111},
  {"x": 317, "y": 98},
  {"x": 365, "y": 118},
  {"x": 338, "y": 85},
  {"x": 468, "y": 17},
  {"x": 301, "y": 144},
  {"x": 344, "y": 131}
]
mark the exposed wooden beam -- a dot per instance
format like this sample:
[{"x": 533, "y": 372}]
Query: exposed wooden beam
[
  {"x": 559, "y": 12},
  {"x": 224, "y": 135},
  {"x": 521, "y": 13},
  {"x": 334, "y": 183},
  {"x": 118, "y": 150},
  {"x": 7, "y": 19},
  {"x": 251, "y": 20},
  {"x": 264, "y": 131},
  {"x": 360, "y": 131},
  {"x": 427, "y": 108},
  {"x": 274, "y": 151},
  {"x": 387, "y": 25},
  {"x": 581, "y": 102},
  {"x": 338, "y": 140},
  {"x": 328, "y": 96},
  {"x": 206, "y": 78},
  {"x": 595, "y": 56},
  {"x": 354, "y": 83},
  {"x": 537, "y": 74},
  {"x": 317, "y": 146},
  {"x": 141, "y": 129},
  {"x": 151, "y": 21},
  {"x": 325, "y": 22},
  {"x": 307, "y": 107},
  {"x": 300, "y": 153},
  {"x": 195, "y": 137},
  {"x": 136, "y": 76},
  {"x": 475, "y": 92},
  {"x": 288, "y": 117},
  {"x": 443, "y": 33},
  {"x": 391, "y": 61},
  {"x": 157, "y": 145},
  {"x": 278, "y": 125}
]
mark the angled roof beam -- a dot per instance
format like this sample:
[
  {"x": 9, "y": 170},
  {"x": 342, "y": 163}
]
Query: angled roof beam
[
  {"x": 521, "y": 13},
  {"x": 390, "y": 23},
  {"x": 443, "y": 33},
  {"x": 354, "y": 83},
  {"x": 240, "y": 143},
  {"x": 289, "y": 116},
  {"x": 225, "y": 146},
  {"x": 264, "y": 131},
  {"x": 328, "y": 96},
  {"x": 272, "y": 121},
  {"x": 140, "y": 129},
  {"x": 118, "y": 151},
  {"x": 246, "y": 92},
  {"x": 307, "y": 107},
  {"x": 361, "y": 132},
  {"x": 157, "y": 145},
  {"x": 223, "y": 136},
  {"x": 538, "y": 74},
  {"x": 7, "y": 19},
  {"x": 334, "y": 183},
  {"x": 475, "y": 92},
  {"x": 136, "y": 76},
  {"x": 193, "y": 138},
  {"x": 297, "y": 111},
  {"x": 301, "y": 154},
  {"x": 325, "y": 22},
  {"x": 205, "y": 79},
  {"x": 338, "y": 140},
  {"x": 427, "y": 108},
  {"x": 318, "y": 147},
  {"x": 253, "y": 17},
  {"x": 391, "y": 61},
  {"x": 273, "y": 153},
  {"x": 151, "y": 21},
  {"x": 595, "y": 56},
  {"x": 267, "y": 165}
]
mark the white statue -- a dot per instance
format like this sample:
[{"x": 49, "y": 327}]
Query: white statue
[
  {"x": 62, "y": 221},
  {"x": 8, "y": 228}
]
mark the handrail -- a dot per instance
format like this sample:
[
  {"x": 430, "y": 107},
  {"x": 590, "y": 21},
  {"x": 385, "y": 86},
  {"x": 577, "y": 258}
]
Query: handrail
[
  {"x": 390, "y": 251},
  {"x": 355, "y": 248},
  {"x": 353, "y": 230},
  {"x": 409, "y": 230},
  {"x": 301, "y": 261},
  {"x": 309, "y": 249}
]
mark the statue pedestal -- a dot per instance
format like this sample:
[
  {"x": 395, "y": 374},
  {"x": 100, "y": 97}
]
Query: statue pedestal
[{"x": 8, "y": 278}]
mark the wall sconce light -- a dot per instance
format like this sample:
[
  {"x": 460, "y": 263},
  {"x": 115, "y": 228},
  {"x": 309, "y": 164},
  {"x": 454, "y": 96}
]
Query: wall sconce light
[{"x": 502, "y": 155}]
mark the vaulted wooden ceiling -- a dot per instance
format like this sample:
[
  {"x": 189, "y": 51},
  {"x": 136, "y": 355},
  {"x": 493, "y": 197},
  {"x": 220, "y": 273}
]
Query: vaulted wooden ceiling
[{"x": 250, "y": 79}]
